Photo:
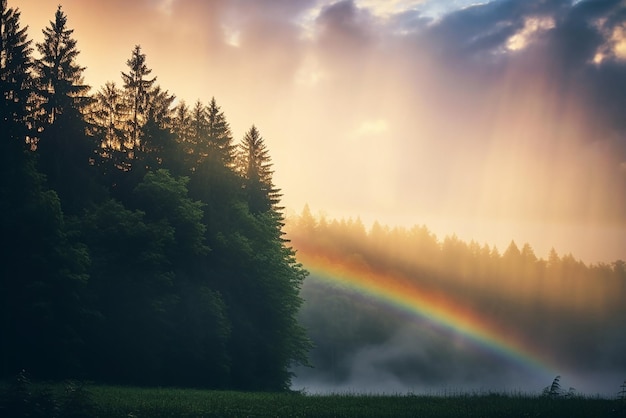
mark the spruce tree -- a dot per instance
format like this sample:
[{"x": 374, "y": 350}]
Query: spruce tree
[
  {"x": 264, "y": 311},
  {"x": 15, "y": 79},
  {"x": 220, "y": 139},
  {"x": 255, "y": 167},
  {"x": 59, "y": 76},
  {"x": 182, "y": 129},
  {"x": 198, "y": 133},
  {"x": 106, "y": 117},
  {"x": 158, "y": 145},
  {"x": 42, "y": 270},
  {"x": 137, "y": 87},
  {"x": 66, "y": 151}
]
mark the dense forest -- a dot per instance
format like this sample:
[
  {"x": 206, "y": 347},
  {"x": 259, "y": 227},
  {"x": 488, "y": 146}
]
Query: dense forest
[
  {"x": 140, "y": 243},
  {"x": 571, "y": 312}
]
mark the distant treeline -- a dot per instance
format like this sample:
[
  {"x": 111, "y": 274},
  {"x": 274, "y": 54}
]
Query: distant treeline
[
  {"x": 571, "y": 309},
  {"x": 139, "y": 243}
]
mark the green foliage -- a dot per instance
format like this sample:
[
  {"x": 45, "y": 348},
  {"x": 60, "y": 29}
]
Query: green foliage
[
  {"x": 135, "y": 251},
  {"x": 165, "y": 199},
  {"x": 111, "y": 401}
]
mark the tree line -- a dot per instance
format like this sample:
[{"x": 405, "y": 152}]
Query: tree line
[
  {"x": 563, "y": 304},
  {"x": 140, "y": 243}
]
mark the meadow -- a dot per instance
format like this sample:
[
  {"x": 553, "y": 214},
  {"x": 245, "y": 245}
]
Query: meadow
[{"x": 74, "y": 400}]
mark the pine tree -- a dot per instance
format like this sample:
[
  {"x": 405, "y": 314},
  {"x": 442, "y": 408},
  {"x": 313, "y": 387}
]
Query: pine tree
[
  {"x": 106, "y": 118},
  {"x": 42, "y": 270},
  {"x": 220, "y": 139},
  {"x": 158, "y": 146},
  {"x": 66, "y": 151},
  {"x": 181, "y": 125},
  {"x": 59, "y": 77},
  {"x": 270, "y": 299},
  {"x": 15, "y": 79},
  {"x": 210, "y": 136},
  {"x": 137, "y": 87},
  {"x": 198, "y": 132},
  {"x": 255, "y": 167}
]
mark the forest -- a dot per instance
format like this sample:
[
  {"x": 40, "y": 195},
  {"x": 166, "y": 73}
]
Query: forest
[
  {"x": 569, "y": 311},
  {"x": 140, "y": 243}
]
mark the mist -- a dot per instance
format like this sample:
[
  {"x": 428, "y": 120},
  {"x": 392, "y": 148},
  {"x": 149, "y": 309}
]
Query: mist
[
  {"x": 560, "y": 310},
  {"x": 418, "y": 359}
]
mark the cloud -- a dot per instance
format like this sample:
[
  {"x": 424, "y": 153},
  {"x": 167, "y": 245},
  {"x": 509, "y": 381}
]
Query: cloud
[{"x": 504, "y": 109}]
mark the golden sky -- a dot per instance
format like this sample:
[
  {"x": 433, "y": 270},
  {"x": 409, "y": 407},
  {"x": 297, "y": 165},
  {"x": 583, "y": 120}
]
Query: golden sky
[{"x": 495, "y": 120}]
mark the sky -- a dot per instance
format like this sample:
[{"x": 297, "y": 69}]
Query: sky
[{"x": 494, "y": 120}]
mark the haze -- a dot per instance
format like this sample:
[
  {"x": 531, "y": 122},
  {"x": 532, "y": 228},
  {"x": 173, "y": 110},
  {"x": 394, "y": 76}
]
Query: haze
[{"x": 493, "y": 120}]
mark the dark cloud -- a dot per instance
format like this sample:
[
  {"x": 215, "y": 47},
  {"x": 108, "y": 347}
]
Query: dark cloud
[{"x": 343, "y": 27}]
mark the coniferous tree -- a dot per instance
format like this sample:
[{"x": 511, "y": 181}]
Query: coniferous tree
[
  {"x": 220, "y": 140},
  {"x": 181, "y": 125},
  {"x": 272, "y": 280},
  {"x": 42, "y": 270},
  {"x": 106, "y": 117},
  {"x": 255, "y": 166},
  {"x": 66, "y": 151},
  {"x": 137, "y": 87},
  {"x": 176, "y": 273},
  {"x": 15, "y": 79},
  {"x": 158, "y": 146},
  {"x": 198, "y": 133},
  {"x": 59, "y": 76}
]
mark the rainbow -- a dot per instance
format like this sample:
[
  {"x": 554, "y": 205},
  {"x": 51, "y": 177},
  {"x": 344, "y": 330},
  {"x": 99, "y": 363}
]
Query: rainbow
[{"x": 401, "y": 295}]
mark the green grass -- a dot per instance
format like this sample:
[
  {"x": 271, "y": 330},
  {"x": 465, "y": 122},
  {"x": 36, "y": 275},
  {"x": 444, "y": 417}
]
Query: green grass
[
  {"x": 136, "y": 402},
  {"x": 114, "y": 401}
]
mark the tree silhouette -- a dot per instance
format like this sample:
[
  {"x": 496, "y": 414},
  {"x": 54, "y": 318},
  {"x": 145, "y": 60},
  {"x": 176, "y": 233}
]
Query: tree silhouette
[
  {"x": 220, "y": 140},
  {"x": 66, "y": 151},
  {"x": 15, "y": 78},
  {"x": 134, "y": 251},
  {"x": 137, "y": 87},
  {"x": 106, "y": 117},
  {"x": 59, "y": 77},
  {"x": 255, "y": 167}
]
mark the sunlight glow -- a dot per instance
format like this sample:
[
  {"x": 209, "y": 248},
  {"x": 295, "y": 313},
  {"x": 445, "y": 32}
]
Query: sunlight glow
[
  {"x": 310, "y": 72},
  {"x": 531, "y": 27},
  {"x": 232, "y": 36},
  {"x": 165, "y": 6},
  {"x": 619, "y": 41},
  {"x": 615, "y": 45},
  {"x": 417, "y": 137},
  {"x": 371, "y": 127},
  {"x": 388, "y": 8}
]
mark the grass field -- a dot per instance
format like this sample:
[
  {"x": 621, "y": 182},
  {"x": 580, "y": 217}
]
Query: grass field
[
  {"x": 119, "y": 402},
  {"x": 126, "y": 402}
]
